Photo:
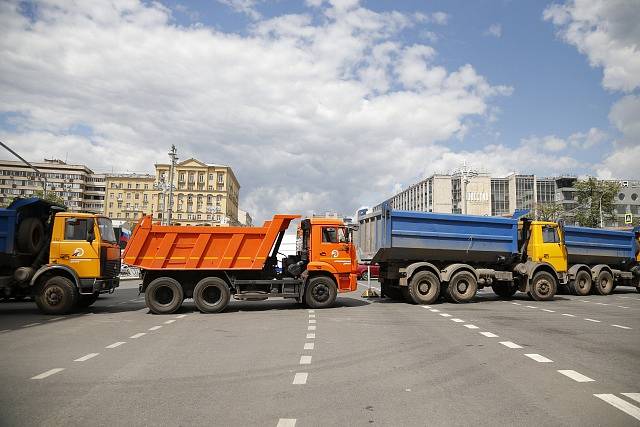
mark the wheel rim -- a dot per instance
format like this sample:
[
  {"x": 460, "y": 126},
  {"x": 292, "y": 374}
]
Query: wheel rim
[
  {"x": 163, "y": 295},
  {"x": 54, "y": 295},
  {"x": 582, "y": 284},
  {"x": 543, "y": 287},
  {"x": 211, "y": 295},
  {"x": 462, "y": 286},
  {"x": 604, "y": 283},
  {"x": 320, "y": 292},
  {"x": 424, "y": 287}
]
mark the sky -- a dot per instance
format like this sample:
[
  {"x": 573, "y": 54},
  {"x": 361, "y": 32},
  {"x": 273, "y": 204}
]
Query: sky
[{"x": 325, "y": 105}]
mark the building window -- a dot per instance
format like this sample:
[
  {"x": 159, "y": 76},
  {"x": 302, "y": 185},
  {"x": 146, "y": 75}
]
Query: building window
[
  {"x": 621, "y": 196},
  {"x": 220, "y": 177},
  {"x": 110, "y": 204},
  {"x": 128, "y": 196},
  {"x": 137, "y": 196}
]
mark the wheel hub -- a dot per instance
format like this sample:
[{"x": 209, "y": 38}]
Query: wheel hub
[
  {"x": 424, "y": 287},
  {"x": 164, "y": 295},
  {"x": 53, "y": 295},
  {"x": 321, "y": 292},
  {"x": 212, "y": 295},
  {"x": 544, "y": 287},
  {"x": 462, "y": 286}
]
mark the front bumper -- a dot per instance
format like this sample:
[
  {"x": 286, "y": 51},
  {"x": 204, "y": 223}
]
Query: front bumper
[{"x": 90, "y": 286}]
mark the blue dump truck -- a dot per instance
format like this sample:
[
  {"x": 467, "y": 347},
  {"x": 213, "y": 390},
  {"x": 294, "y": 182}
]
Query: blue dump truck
[{"x": 423, "y": 255}]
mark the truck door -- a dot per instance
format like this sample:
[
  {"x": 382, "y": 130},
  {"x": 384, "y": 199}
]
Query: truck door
[
  {"x": 335, "y": 249},
  {"x": 550, "y": 248},
  {"x": 76, "y": 251}
]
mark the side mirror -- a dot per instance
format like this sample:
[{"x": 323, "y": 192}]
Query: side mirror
[{"x": 91, "y": 235}]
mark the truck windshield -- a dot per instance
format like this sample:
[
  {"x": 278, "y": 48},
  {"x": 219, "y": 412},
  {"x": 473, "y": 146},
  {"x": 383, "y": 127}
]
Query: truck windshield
[{"x": 106, "y": 230}]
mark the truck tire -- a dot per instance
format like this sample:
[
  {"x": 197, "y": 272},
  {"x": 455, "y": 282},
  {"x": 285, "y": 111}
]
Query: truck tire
[
  {"x": 462, "y": 287},
  {"x": 164, "y": 295},
  {"x": 211, "y": 295},
  {"x": 504, "y": 290},
  {"x": 543, "y": 286},
  {"x": 604, "y": 283},
  {"x": 321, "y": 292},
  {"x": 85, "y": 301},
  {"x": 31, "y": 236},
  {"x": 581, "y": 285},
  {"x": 424, "y": 287},
  {"x": 58, "y": 295}
]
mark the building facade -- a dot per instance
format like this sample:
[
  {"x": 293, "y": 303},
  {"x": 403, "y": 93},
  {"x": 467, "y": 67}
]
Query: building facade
[
  {"x": 129, "y": 196},
  {"x": 203, "y": 194}
]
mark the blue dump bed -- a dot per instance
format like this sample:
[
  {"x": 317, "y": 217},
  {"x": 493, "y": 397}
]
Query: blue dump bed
[
  {"x": 390, "y": 235},
  {"x": 7, "y": 230},
  {"x": 599, "y": 246}
]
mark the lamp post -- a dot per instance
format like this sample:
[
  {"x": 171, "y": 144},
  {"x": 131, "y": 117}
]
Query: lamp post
[
  {"x": 465, "y": 173},
  {"x": 601, "y": 219},
  {"x": 174, "y": 158},
  {"x": 40, "y": 174}
]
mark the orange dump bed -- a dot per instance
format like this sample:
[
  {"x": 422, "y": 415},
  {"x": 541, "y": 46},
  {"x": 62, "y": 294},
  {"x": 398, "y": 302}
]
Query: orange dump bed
[{"x": 157, "y": 247}]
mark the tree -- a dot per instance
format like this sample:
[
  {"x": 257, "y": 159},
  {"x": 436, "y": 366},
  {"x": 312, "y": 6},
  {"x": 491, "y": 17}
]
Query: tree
[
  {"x": 549, "y": 211},
  {"x": 592, "y": 195},
  {"x": 51, "y": 196}
]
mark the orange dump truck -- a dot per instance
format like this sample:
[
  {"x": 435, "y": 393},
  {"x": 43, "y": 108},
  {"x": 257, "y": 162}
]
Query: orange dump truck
[{"x": 211, "y": 264}]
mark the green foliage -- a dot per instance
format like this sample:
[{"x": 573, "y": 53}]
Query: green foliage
[
  {"x": 591, "y": 194},
  {"x": 549, "y": 211},
  {"x": 49, "y": 197}
]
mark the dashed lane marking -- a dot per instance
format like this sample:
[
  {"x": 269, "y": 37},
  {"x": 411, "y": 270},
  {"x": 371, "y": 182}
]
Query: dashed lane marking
[
  {"x": 471, "y": 326},
  {"x": 305, "y": 360},
  {"x": 489, "y": 334},
  {"x": 116, "y": 344},
  {"x": 311, "y": 336},
  {"x": 576, "y": 376},
  {"x": 309, "y": 346},
  {"x": 445, "y": 315},
  {"x": 47, "y": 374},
  {"x": 168, "y": 322},
  {"x": 434, "y": 310},
  {"x": 531, "y": 306},
  {"x": 516, "y": 303},
  {"x": 155, "y": 328},
  {"x": 86, "y": 357},
  {"x": 538, "y": 358},
  {"x": 181, "y": 316},
  {"x": 426, "y": 306},
  {"x": 547, "y": 310},
  {"x": 621, "y": 404},
  {"x": 300, "y": 378},
  {"x": 54, "y": 319},
  {"x": 312, "y": 316},
  {"x": 458, "y": 320},
  {"x": 602, "y": 303},
  {"x": 510, "y": 344},
  {"x": 311, "y": 311},
  {"x": 311, "y": 321},
  {"x": 31, "y": 324},
  {"x": 634, "y": 396},
  {"x": 311, "y": 328},
  {"x": 621, "y": 306},
  {"x": 568, "y": 315},
  {"x": 286, "y": 422},
  {"x": 138, "y": 335},
  {"x": 591, "y": 320},
  {"x": 621, "y": 327}
]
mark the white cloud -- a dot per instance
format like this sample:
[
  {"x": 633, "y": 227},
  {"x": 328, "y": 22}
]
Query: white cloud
[
  {"x": 625, "y": 115},
  {"x": 312, "y": 115},
  {"x": 494, "y": 30},
  {"x": 248, "y": 7},
  {"x": 440, "y": 18}
]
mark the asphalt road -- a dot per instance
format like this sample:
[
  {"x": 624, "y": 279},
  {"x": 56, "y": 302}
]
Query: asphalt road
[{"x": 571, "y": 361}]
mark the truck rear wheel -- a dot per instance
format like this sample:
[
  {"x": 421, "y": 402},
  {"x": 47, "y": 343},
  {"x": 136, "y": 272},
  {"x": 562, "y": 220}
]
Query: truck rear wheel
[
  {"x": 31, "y": 236},
  {"x": 581, "y": 285},
  {"x": 504, "y": 290},
  {"x": 58, "y": 295},
  {"x": 164, "y": 295},
  {"x": 462, "y": 287},
  {"x": 543, "y": 286},
  {"x": 604, "y": 283},
  {"x": 424, "y": 287},
  {"x": 211, "y": 295},
  {"x": 321, "y": 292}
]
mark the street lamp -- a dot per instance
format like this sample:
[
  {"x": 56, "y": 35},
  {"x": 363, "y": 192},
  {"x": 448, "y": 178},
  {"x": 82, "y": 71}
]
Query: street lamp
[
  {"x": 601, "y": 220},
  {"x": 465, "y": 173}
]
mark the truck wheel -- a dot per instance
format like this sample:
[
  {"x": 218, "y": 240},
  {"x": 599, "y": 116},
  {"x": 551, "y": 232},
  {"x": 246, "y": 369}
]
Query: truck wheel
[
  {"x": 321, "y": 292},
  {"x": 87, "y": 300},
  {"x": 58, "y": 295},
  {"x": 505, "y": 290},
  {"x": 31, "y": 236},
  {"x": 581, "y": 285},
  {"x": 424, "y": 287},
  {"x": 164, "y": 295},
  {"x": 211, "y": 295},
  {"x": 543, "y": 286},
  {"x": 462, "y": 287},
  {"x": 604, "y": 283}
]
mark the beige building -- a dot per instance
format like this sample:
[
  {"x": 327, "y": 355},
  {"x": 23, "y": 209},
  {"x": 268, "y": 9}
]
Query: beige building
[
  {"x": 202, "y": 194},
  {"x": 128, "y": 196}
]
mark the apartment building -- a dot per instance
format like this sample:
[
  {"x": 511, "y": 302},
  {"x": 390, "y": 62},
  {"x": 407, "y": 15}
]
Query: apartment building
[{"x": 128, "y": 196}]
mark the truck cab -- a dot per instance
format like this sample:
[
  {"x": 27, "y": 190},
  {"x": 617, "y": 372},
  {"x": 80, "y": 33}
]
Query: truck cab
[{"x": 546, "y": 245}]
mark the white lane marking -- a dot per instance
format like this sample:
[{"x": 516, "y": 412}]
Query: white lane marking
[
  {"x": 591, "y": 320},
  {"x": 54, "y": 319},
  {"x": 445, "y": 315},
  {"x": 300, "y": 378},
  {"x": 621, "y": 404},
  {"x": 286, "y": 422},
  {"x": 311, "y": 321},
  {"x": 621, "y": 327},
  {"x": 547, "y": 310},
  {"x": 634, "y": 396},
  {"x": 621, "y": 306},
  {"x": 434, "y": 310},
  {"x": 471, "y": 326},
  {"x": 510, "y": 344},
  {"x": 309, "y": 346},
  {"x": 516, "y": 303},
  {"x": 567, "y": 314},
  {"x": 181, "y": 316},
  {"x": 576, "y": 376},
  {"x": 623, "y": 297},
  {"x": 531, "y": 306},
  {"x": 311, "y": 328},
  {"x": 123, "y": 302},
  {"x": 138, "y": 335},
  {"x": 584, "y": 300},
  {"x": 47, "y": 374},
  {"x": 305, "y": 360},
  {"x": 86, "y": 357},
  {"x": 311, "y": 311},
  {"x": 489, "y": 334},
  {"x": 170, "y": 321},
  {"x": 538, "y": 358},
  {"x": 602, "y": 303},
  {"x": 311, "y": 336},
  {"x": 155, "y": 328},
  {"x": 312, "y": 316},
  {"x": 134, "y": 300},
  {"x": 116, "y": 344},
  {"x": 426, "y": 306},
  {"x": 458, "y": 320},
  {"x": 31, "y": 324}
]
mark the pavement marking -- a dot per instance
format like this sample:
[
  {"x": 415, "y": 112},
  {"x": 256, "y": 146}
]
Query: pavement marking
[
  {"x": 116, "y": 344},
  {"x": 312, "y": 316},
  {"x": 309, "y": 346},
  {"x": 311, "y": 336},
  {"x": 286, "y": 422},
  {"x": 30, "y": 324},
  {"x": 155, "y": 328},
  {"x": 445, "y": 315},
  {"x": 311, "y": 328},
  {"x": 634, "y": 396},
  {"x": 623, "y": 297},
  {"x": 567, "y": 314},
  {"x": 138, "y": 335},
  {"x": 471, "y": 326},
  {"x": 311, "y": 321},
  {"x": 516, "y": 303},
  {"x": 300, "y": 378},
  {"x": 531, "y": 306},
  {"x": 621, "y": 306},
  {"x": 621, "y": 327},
  {"x": 602, "y": 303},
  {"x": 510, "y": 344},
  {"x": 489, "y": 334},
  {"x": 538, "y": 358},
  {"x": 311, "y": 311},
  {"x": 181, "y": 316},
  {"x": 54, "y": 319},
  {"x": 86, "y": 357},
  {"x": 591, "y": 320},
  {"x": 47, "y": 374},
  {"x": 458, "y": 320},
  {"x": 123, "y": 302},
  {"x": 305, "y": 360},
  {"x": 584, "y": 300},
  {"x": 434, "y": 310},
  {"x": 168, "y": 322},
  {"x": 426, "y": 306},
  {"x": 576, "y": 376},
  {"x": 621, "y": 404},
  {"x": 547, "y": 310}
]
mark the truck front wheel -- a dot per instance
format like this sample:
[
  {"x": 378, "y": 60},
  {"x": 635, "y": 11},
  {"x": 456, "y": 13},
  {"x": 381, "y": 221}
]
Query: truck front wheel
[
  {"x": 211, "y": 295},
  {"x": 321, "y": 292},
  {"x": 604, "y": 283},
  {"x": 462, "y": 287},
  {"x": 543, "y": 286},
  {"x": 58, "y": 295},
  {"x": 581, "y": 285},
  {"x": 424, "y": 287},
  {"x": 164, "y": 295}
]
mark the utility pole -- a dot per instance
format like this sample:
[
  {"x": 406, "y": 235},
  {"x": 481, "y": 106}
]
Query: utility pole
[
  {"x": 601, "y": 219},
  {"x": 40, "y": 174},
  {"x": 465, "y": 173},
  {"x": 174, "y": 158}
]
